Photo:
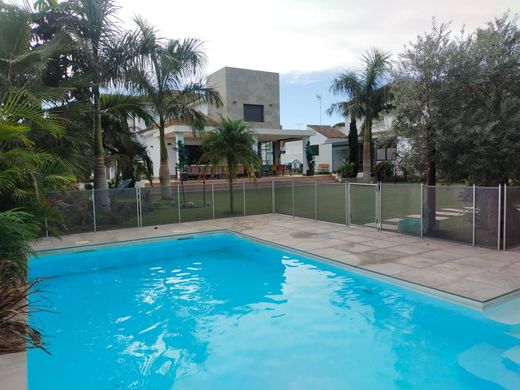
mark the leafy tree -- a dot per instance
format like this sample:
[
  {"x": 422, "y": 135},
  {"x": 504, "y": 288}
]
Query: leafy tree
[
  {"x": 368, "y": 95},
  {"x": 230, "y": 143},
  {"x": 124, "y": 151},
  {"x": 167, "y": 73},
  {"x": 481, "y": 140},
  {"x": 418, "y": 90},
  {"x": 457, "y": 105}
]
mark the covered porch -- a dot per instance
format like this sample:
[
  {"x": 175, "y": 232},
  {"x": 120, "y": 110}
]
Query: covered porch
[{"x": 268, "y": 145}]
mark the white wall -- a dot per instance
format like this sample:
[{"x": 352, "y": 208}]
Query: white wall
[
  {"x": 339, "y": 157},
  {"x": 317, "y": 139},
  {"x": 325, "y": 156},
  {"x": 293, "y": 151},
  {"x": 152, "y": 145}
]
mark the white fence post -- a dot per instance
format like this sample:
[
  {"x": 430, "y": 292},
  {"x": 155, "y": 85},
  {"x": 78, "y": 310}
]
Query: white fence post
[
  {"x": 272, "y": 195},
  {"x": 376, "y": 205},
  {"x": 94, "y": 208},
  {"x": 505, "y": 216},
  {"x": 293, "y": 198},
  {"x": 380, "y": 206},
  {"x": 137, "y": 205},
  {"x": 244, "y": 196},
  {"x": 179, "y": 202},
  {"x": 315, "y": 201},
  {"x": 422, "y": 208},
  {"x": 346, "y": 204},
  {"x": 474, "y": 216},
  {"x": 498, "y": 215},
  {"x": 349, "y": 217},
  {"x": 213, "y": 200}
]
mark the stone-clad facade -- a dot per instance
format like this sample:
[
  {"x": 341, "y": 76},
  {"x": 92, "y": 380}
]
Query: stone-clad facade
[{"x": 244, "y": 86}]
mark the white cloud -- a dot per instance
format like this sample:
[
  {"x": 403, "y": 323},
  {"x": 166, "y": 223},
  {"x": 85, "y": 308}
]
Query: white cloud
[{"x": 303, "y": 35}]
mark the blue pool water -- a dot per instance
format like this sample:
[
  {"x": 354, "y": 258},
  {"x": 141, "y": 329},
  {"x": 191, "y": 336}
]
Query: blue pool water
[{"x": 222, "y": 312}]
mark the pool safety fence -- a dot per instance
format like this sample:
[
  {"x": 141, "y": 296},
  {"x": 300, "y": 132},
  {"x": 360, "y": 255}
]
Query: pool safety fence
[{"x": 479, "y": 216}]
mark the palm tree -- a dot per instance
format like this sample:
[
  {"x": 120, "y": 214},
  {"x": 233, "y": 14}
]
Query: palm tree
[
  {"x": 167, "y": 74},
  {"x": 100, "y": 58},
  {"x": 368, "y": 95},
  {"x": 26, "y": 174},
  {"x": 124, "y": 151},
  {"x": 231, "y": 143}
]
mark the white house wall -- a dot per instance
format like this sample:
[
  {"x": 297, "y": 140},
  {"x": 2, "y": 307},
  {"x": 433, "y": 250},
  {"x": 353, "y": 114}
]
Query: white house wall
[
  {"x": 153, "y": 147},
  {"x": 293, "y": 151},
  {"x": 325, "y": 156}
]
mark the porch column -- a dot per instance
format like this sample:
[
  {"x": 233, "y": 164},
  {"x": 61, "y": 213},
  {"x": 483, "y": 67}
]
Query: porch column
[
  {"x": 276, "y": 152},
  {"x": 304, "y": 158},
  {"x": 178, "y": 137},
  {"x": 259, "y": 150}
]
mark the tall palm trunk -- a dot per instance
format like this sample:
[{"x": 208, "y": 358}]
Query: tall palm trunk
[
  {"x": 367, "y": 145},
  {"x": 164, "y": 169},
  {"x": 100, "y": 178},
  {"x": 231, "y": 209}
]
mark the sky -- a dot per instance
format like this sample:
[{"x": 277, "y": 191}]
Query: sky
[{"x": 307, "y": 41}]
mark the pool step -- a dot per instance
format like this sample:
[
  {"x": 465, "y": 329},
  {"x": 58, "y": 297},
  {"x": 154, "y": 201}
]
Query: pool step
[{"x": 489, "y": 363}]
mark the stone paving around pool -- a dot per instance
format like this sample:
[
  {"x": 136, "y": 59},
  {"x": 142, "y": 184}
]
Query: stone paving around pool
[{"x": 475, "y": 273}]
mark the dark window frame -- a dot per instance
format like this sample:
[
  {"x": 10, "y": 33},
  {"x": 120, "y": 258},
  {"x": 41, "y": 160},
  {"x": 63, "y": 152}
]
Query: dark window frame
[{"x": 251, "y": 116}]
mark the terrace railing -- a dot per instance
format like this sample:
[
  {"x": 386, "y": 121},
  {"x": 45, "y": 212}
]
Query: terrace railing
[{"x": 480, "y": 216}]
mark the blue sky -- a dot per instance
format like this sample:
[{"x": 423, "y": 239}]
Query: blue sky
[{"x": 298, "y": 103}]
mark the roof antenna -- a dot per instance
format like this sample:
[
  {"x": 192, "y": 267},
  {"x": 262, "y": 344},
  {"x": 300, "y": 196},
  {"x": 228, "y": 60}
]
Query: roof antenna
[{"x": 319, "y": 98}]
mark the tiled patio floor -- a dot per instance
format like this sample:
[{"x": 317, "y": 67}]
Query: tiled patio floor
[{"x": 475, "y": 273}]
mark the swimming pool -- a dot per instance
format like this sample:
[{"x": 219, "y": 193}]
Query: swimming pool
[{"x": 219, "y": 311}]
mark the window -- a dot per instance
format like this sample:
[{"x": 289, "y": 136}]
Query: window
[{"x": 253, "y": 112}]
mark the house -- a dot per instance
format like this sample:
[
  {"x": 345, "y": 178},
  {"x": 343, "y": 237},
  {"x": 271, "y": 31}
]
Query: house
[
  {"x": 250, "y": 95},
  {"x": 330, "y": 144}
]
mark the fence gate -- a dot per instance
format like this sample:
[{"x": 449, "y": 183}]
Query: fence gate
[{"x": 364, "y": 205}]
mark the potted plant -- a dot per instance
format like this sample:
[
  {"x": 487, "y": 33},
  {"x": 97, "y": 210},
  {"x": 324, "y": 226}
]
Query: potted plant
[
  {"x": 309, "y": 155},
  {"x": 183, "y": 161}
]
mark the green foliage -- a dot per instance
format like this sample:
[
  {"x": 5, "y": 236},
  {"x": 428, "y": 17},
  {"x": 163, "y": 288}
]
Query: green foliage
[
  {"x": 457, "y": 103},
  {"x": 123, "y": 150},
  {"x": 183, "y": 158},
  {"x": 347, "y": 170},
  {"x": 309, "y": 155},
  {"x": 368, "y": 95},
  {"x": 26, "y": 171},
  {"x": 230, "y": 144},
  {"x": 167, "y": 73},
  {"x": 384, "y": 170},
  {"x": 17, "y": 229}
]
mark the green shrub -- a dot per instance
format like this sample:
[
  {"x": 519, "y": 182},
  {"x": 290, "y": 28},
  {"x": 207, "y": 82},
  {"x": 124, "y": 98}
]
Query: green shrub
[
  {"x": 347, "y": 170},
  {"x": 384, "y": 170}
]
